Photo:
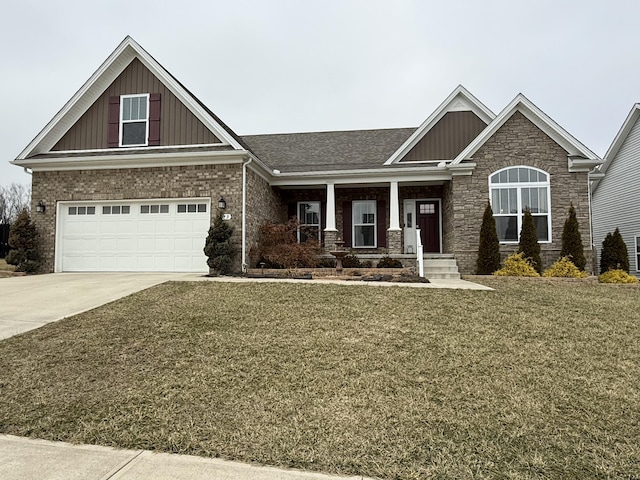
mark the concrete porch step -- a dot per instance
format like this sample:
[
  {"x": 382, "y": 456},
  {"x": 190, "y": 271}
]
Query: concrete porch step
[{"x": 441, "y": 267}]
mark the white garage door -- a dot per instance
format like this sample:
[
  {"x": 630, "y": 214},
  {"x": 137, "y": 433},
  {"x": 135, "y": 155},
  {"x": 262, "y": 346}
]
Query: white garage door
[{"x": 133, "y": 236}]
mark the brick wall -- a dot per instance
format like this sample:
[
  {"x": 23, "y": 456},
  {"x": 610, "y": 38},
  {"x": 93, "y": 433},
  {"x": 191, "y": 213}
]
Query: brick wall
[
  {"x": 517, "y": 142},
  {"x": 211, "y": 181}
]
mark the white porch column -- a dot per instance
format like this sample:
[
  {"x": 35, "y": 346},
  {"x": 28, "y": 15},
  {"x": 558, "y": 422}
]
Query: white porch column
[
  {"x": 331, "y": 208},
  {"x": 394, "y": 207}
]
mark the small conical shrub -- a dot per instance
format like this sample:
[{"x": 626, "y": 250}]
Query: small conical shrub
[
  {"x": 489, "y": 248},
  {"x": 572, "y": 240},
  {"x": 528, "y": 244},
  {"x": 614, "y": 255},
  {"x": 218, "y": 247},
  {"x": 23, "y": 251}
]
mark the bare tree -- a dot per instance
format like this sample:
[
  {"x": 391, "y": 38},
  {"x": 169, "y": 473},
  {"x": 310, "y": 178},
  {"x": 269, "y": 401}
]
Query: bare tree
[{"x": 13, "y": 199}]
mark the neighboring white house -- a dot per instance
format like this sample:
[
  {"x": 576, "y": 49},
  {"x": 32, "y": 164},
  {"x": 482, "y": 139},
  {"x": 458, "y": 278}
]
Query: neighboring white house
[{"x": 616, "y": 195}]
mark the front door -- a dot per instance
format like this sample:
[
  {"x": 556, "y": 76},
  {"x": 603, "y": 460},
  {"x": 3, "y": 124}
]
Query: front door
[{"x": 428, "y": 221}]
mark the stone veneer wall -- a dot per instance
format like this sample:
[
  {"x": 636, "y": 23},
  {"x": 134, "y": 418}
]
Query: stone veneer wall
[
  {"x": 264, "y": 205},
  {"x": 211, "y": 181},
  {"x": 518, "y": 142}
]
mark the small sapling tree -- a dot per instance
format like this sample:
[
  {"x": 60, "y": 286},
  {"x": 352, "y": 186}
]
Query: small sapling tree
[
  {"x": 529, "y": 241},
  {"x": 489, "y": 248},
  {"x": 572, "y": 240}
]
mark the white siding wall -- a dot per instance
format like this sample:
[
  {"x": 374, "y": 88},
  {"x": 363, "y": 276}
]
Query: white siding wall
[{"x": 616, "y": 200}]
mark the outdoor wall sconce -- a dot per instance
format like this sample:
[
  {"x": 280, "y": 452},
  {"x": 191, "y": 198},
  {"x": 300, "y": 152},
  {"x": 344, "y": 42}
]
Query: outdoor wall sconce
[
  {"x": 40, "y": 207},
  {"x": 222, "y": 204}
]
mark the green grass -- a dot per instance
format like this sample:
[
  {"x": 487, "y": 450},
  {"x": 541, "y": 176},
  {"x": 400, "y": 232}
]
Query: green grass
[{"x": 536, "y": 380}]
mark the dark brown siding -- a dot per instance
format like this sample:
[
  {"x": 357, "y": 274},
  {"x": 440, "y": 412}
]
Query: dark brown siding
[
  {"x": 447, "y": 138},
  {"x": 178, "y": 126}
]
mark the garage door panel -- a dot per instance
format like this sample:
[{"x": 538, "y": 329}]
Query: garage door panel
[{"x": 110, "y": 241}]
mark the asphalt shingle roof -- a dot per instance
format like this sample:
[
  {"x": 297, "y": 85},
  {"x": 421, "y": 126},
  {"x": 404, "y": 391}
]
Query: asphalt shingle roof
[{"x": 319, "y": 151}]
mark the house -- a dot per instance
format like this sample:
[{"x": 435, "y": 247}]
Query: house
[
  {"x": 134, "y": 167},
  {"x": 616, "y": 191}
]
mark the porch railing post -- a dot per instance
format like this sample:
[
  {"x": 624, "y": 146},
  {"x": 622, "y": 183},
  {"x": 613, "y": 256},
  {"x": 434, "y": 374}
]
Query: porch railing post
[{"x": 419, "y": 253}]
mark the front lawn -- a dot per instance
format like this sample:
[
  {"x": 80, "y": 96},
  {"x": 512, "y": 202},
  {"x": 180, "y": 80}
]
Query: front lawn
[{"x": 538, "y": 379}]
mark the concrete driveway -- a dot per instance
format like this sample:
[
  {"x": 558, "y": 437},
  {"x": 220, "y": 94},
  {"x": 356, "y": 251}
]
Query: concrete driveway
[{"x": 32, "y": 301}]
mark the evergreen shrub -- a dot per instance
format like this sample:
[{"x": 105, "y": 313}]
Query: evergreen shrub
[
  {"x": 218, "y": 247},
  {"x": 616, "y": 276},
  {"x": 23, "y": 245},
  {"x": 572, "y": 240},
  {"x": 516, "y": 265},
  {"x": 489, "y": 248},
  {"x": 614, "y": 255},
  {"x": 528, "y": 244},
  {"x": 388, "y": 262},
  {"x": 564, "y": 267}
]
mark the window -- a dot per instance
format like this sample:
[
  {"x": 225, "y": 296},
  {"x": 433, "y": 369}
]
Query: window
[
  {"x": 364, "y": 223},
  {"x": 638, "y": 253},
  {"x": 309, "y": 218},
  {"x": 192, "y": 207},
  {"x": 116, "y": 209},
  {"x": 82, "y": 210},
  {"x": 513, "y": 190},
  {"x": 154, "y": 208},
  {"x": 134, "y": 120}
]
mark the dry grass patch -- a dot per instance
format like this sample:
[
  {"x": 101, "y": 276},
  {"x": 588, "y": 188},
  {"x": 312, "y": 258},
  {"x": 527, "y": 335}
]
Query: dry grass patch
[
  {"x": 533, "y": 380},
  {"x": 6, "y": 270}
]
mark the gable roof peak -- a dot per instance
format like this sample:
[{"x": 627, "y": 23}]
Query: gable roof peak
[
  {"x": 575, "y": 149},
  {"x": 460, "y": 99},
  {"x": 109, "y": 70}
]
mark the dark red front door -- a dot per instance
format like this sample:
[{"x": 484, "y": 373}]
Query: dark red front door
[{"x": 428, "y": 221}]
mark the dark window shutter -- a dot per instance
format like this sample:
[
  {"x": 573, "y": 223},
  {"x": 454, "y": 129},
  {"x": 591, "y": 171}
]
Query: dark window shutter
[
  {"x": 293, "y": 206},
  {"x": 346, "y": 223},
  {"x": 113, "y": 128},
  {"x": 381, "y": 223},
  {"x": 154, "y": 119},
  {"x": 323, "y": 219}
]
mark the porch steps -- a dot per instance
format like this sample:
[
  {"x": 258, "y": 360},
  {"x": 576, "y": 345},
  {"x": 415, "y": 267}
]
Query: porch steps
[{"x": 440, "y": 267}]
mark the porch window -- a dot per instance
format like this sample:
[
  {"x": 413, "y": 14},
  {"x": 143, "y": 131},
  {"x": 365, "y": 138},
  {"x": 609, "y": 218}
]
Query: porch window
[
  {"x": 309, "y": 218},
  {"x": 512, "y": 190},
  {"x": 364, "y": 223}
]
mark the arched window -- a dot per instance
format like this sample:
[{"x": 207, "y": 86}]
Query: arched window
[{"x": 514, "y": 189}]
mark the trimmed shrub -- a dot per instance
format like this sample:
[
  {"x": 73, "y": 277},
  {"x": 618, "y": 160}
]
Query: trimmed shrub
[
  {"x": 564, "y": 267},
  {"x": 351, "y": 261},
  {"x": 528, "y": 244},
  {"x": 489, "y": 248},
  {"x": 218, "y": 247},
  {"x": 614, "y": 255},
  {"x": 572, "y": 240},
  {"x": 279, "y": 247},
  {"x": 616, "y": 276},
  {"x": 516, "y": 265},
  {"x": 388, "y": 262},
  {"x": 23, "y": 251}
]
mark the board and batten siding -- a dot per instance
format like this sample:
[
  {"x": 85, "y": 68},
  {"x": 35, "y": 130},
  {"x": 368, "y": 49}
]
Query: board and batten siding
[
  {"x": 178, "y": 126},
  {"x": 616, "y": 200}
]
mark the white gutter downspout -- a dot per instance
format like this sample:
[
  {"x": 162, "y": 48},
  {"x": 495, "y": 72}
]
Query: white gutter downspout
[
  {"x": 244, "y": 214},
  {"x": 26, "y": 170}
]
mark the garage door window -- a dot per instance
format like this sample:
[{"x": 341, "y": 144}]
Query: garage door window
[
  {"x": 192, "y": 208},
  {"x": 154, "y": 208},
  {"x": 82, "y": 210},
  {"x": 116, "y": 210}
]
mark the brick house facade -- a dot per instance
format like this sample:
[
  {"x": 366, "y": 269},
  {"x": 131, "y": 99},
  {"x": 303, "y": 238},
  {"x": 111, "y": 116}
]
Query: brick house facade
[{"x": 134, "y": 139}]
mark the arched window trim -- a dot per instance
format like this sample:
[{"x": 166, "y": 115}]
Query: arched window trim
[{"x": 516, "y": 192}]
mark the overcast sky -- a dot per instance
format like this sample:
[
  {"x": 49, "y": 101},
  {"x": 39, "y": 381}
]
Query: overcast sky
[{"x": 291, "y": 66}]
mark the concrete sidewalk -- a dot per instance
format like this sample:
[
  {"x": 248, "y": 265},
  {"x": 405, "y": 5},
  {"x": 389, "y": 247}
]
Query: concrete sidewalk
[{"x": 29, "y": 459}]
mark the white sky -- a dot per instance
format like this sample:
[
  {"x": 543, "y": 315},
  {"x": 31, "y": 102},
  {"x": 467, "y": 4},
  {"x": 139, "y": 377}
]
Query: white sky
[{"x": 297, "y": 65}]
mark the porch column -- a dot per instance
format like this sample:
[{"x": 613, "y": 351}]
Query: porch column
[
  {"x": 330, "y": 231},
  {"x": 394, "y": 207},
  {"x": 394, "y": 234}
]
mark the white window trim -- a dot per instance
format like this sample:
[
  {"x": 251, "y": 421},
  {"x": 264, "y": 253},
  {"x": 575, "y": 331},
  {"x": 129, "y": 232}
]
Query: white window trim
[
  {"x": 303, "y": 224},
  {"x": 122, "y": 122},
  {"x": 354, "y": 224},
  {"x": 520, "y": 214}
]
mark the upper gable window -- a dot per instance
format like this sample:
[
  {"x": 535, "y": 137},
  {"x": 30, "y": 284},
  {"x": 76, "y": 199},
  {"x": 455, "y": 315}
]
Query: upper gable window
[{"x": 134, "y": 120}]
